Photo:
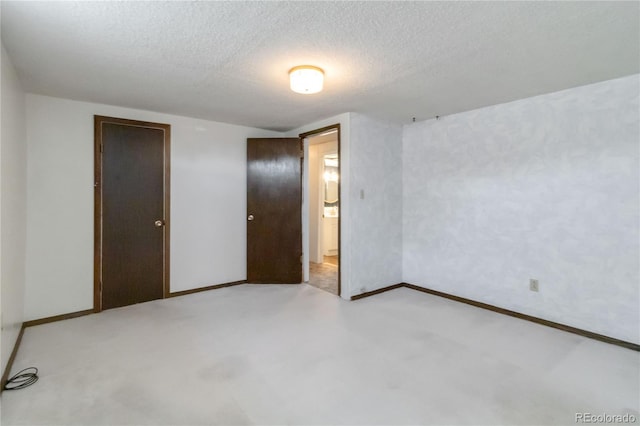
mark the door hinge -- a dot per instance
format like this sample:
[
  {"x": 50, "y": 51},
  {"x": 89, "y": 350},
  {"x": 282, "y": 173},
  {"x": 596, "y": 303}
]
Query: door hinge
[{"x": 301, "y": 257}]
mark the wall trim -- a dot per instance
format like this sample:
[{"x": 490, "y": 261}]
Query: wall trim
[
  {"x": 16, "y": 346},
  {"x": 56, "y": 318},
  {"x": 12, "y": 357},
  {"x": 563, "y": 327},
  {"x": 211, "y": 287},
  {"x": 378, "y": 291}
]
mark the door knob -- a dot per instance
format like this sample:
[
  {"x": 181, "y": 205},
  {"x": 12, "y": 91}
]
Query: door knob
[
  {"x": 159, "y": 223},
  {"x": 250, "y": 218}
]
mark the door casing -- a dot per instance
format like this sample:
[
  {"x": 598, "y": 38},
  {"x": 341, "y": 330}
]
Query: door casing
[{"x": 304, "y": 136}]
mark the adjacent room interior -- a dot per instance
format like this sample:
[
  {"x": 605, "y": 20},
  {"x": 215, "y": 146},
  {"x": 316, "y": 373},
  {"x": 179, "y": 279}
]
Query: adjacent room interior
[
  {"x": 324, "y": 211},
  {"x": 320, "y": 213}
]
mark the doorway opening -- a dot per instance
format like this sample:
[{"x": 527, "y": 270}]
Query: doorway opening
[{"x": 322, "y": 196}]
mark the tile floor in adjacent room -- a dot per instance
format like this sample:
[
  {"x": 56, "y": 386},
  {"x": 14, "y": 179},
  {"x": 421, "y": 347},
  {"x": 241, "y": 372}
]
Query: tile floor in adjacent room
[
  {"x": 293, "y": 354},
  {"x": 324, "y": 276}
]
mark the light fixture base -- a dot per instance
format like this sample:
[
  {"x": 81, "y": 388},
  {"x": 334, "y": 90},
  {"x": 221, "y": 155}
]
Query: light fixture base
[{"x": 306, "y": 79}]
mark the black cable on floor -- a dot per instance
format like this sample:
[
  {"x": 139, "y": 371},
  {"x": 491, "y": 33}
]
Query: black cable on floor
[{"x": 22, "y": 379}]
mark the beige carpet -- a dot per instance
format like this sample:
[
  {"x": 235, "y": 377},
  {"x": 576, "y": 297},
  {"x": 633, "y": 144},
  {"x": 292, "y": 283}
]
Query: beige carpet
[
  {"x": 296, "y": 355},
  {"x": 324, "y": 276}
]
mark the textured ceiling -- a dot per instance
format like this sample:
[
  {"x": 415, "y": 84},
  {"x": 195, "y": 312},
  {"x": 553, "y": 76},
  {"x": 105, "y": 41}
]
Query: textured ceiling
[{"x": 228, "y": 61}]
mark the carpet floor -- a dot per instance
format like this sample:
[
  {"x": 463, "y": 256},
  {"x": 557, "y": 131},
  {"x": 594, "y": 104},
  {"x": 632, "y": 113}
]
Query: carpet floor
[{"x": 283, "y": 354}]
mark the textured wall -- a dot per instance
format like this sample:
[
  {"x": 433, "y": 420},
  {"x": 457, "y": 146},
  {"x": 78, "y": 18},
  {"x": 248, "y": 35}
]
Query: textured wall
[
  {"x": 376, "y": 220},
  {"x": 13, "y": 202},
  {"x": 546, "y": 188},
  {"x": 208, "y": 202}
]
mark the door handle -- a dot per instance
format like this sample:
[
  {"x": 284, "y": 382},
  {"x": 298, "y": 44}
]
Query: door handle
[
  {"x": 159, "y": 223},
  {"x": 250, "y": 218}
]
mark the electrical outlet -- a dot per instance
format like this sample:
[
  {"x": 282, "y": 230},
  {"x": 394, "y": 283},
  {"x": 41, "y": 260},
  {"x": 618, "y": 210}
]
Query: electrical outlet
[{"x": 534, "y": 285}]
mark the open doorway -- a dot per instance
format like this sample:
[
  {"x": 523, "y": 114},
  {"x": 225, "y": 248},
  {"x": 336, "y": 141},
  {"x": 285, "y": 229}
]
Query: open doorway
[{"x": 323, "y": 195}]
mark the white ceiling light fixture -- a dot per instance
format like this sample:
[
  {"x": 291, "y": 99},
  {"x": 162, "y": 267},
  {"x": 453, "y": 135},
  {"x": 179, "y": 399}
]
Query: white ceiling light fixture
[{"x": 306, "y": 79}]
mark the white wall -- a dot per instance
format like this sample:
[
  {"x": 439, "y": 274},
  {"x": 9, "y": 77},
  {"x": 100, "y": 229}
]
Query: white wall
[
  {"x": 208, "y": 202},
  {"x": 376, "y": 225},
  {"x": 545, "y": 188},
  {"x": 13, "y": 203},
  {"x": 316, "y": 195},
  {"x": 315, "y": 254}
]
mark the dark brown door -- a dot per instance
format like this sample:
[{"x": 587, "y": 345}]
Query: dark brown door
[
  {"x": 274, "y": 211},
  {"x": 132, "y": 187}
]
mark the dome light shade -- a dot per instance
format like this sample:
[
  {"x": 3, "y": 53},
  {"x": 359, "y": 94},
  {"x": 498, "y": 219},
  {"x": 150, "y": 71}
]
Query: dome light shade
[{"x": 306, "y": 79}]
